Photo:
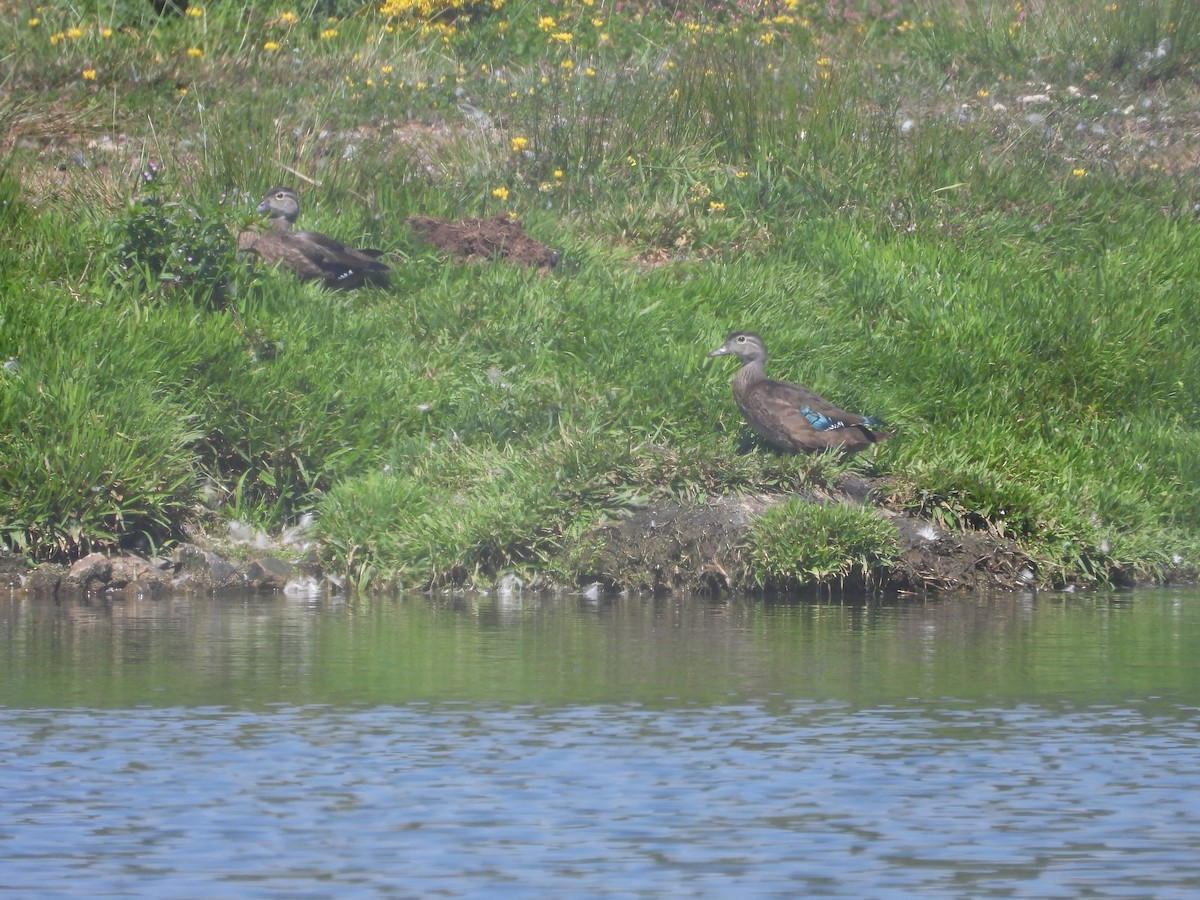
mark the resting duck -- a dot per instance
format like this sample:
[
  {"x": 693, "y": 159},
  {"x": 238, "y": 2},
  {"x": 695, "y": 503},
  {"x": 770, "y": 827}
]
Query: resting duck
[
  {"x": 787, "y": 416},
  {"x": 310, "y": 254}
]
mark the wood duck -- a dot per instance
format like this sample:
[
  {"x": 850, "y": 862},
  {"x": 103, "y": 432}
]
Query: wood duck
[
  {"x": 787, "y": 416},
  {"x": 309, "y": 254}
]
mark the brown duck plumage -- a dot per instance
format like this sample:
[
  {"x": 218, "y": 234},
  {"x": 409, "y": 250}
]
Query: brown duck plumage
[
  {"x": 788, "y": 416},
  {"x": 309, "y": 254}
]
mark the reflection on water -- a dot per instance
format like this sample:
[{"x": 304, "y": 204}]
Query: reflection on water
[{"x": 1040, "y": 746}]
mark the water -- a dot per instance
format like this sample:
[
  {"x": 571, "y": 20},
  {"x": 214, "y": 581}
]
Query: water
[{"x": 1013, "y": 746}]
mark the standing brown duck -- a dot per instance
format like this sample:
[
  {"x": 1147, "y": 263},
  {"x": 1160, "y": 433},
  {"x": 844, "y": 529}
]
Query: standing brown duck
[
  {"x": 787, "y": 416},
  {"x": 309, "y": 254}
]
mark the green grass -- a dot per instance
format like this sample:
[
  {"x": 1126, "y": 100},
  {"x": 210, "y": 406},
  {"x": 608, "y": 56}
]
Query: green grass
[
  {"x": 1009, "y": 282},
  {"x": 801, "y": 543}
]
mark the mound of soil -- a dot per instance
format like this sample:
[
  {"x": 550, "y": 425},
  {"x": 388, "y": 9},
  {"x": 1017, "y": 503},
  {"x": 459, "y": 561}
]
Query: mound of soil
[
  {"x": 483, "y": 240},
  {"x": 669, "y": 548}
]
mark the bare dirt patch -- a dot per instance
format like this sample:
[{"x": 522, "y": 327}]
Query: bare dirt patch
[{"x": 483, "y": 240}]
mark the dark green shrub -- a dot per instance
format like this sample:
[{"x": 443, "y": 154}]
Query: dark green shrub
[{"x": 171, "y": 249}]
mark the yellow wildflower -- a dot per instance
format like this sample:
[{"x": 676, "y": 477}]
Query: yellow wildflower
[
  {"x": 597, "y": 23},
  {"x": 558, "y": 173},
  {"x": 385, "y": 70},
  {"x": 270, "y": 46},
  {"x": 519, "y": 144},
  {"x": 546, "y": 23},
  {"x": 563, "y": 37},
  {"x": 33, "y": 23},
  {"x": 567, "y": 65},
  {"x": 1079, "y": 173},
  {"x": 742, "y": 173},
  {"x": 589, "y": 72},
  {"x": 716, "y": 206},
  {"x": 194, "y": 11},
  {"x": 766, "y": 37},
  {"x": 501, "y": 194},
  {"x": 195, "y": 53},
  {"x": 75, "y": 32},
  {"x": 106, "y": 32},
  {"x": 288, "y": 18},
  {"x": 328, "y": 33},
  {"x": 983, "y": 93},
  {"x": 89, "y": 74}
]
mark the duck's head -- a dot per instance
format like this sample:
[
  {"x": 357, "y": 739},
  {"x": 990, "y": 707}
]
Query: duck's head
[
  {"x": 280, "y": 203},
  {"x": 745, "y": 345}
]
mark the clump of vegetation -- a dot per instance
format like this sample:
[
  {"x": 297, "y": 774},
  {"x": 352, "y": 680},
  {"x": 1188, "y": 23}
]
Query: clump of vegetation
[
  {"x": 978, "y": 223},
  {"x": 174, "y": 250},
  {"x": 90, "y": 461},
  {"x": 797, "y": 543}
]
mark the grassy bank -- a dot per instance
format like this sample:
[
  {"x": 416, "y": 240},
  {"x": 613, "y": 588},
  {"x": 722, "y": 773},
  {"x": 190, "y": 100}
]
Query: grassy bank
[{"x": 977, "y": 221}]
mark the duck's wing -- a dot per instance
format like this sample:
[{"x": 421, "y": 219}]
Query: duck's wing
[
  {"x": 795, "y": 419},
  {"x": 819, "y": 412},
  {"x": 312, "y": 255},
  {"x": 277, "y": 249},
  {"x": 341, "y": 266}
]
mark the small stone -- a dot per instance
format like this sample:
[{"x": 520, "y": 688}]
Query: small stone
[
  {"x": 269, "y": 573},
  {"x": 91, "y": 571},
  {"x": 136, "y": 577},
  {"x": 202, "y": 565}
]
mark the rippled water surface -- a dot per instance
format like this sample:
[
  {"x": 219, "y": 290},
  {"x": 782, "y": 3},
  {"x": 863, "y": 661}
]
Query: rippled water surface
[{"x": 1015, "y": 746}]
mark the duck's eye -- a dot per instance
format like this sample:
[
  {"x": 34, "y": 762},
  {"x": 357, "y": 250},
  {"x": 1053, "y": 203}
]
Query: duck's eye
[
  {"x": 741, "y": 339},
  {"x": 279, "y": 196}
]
